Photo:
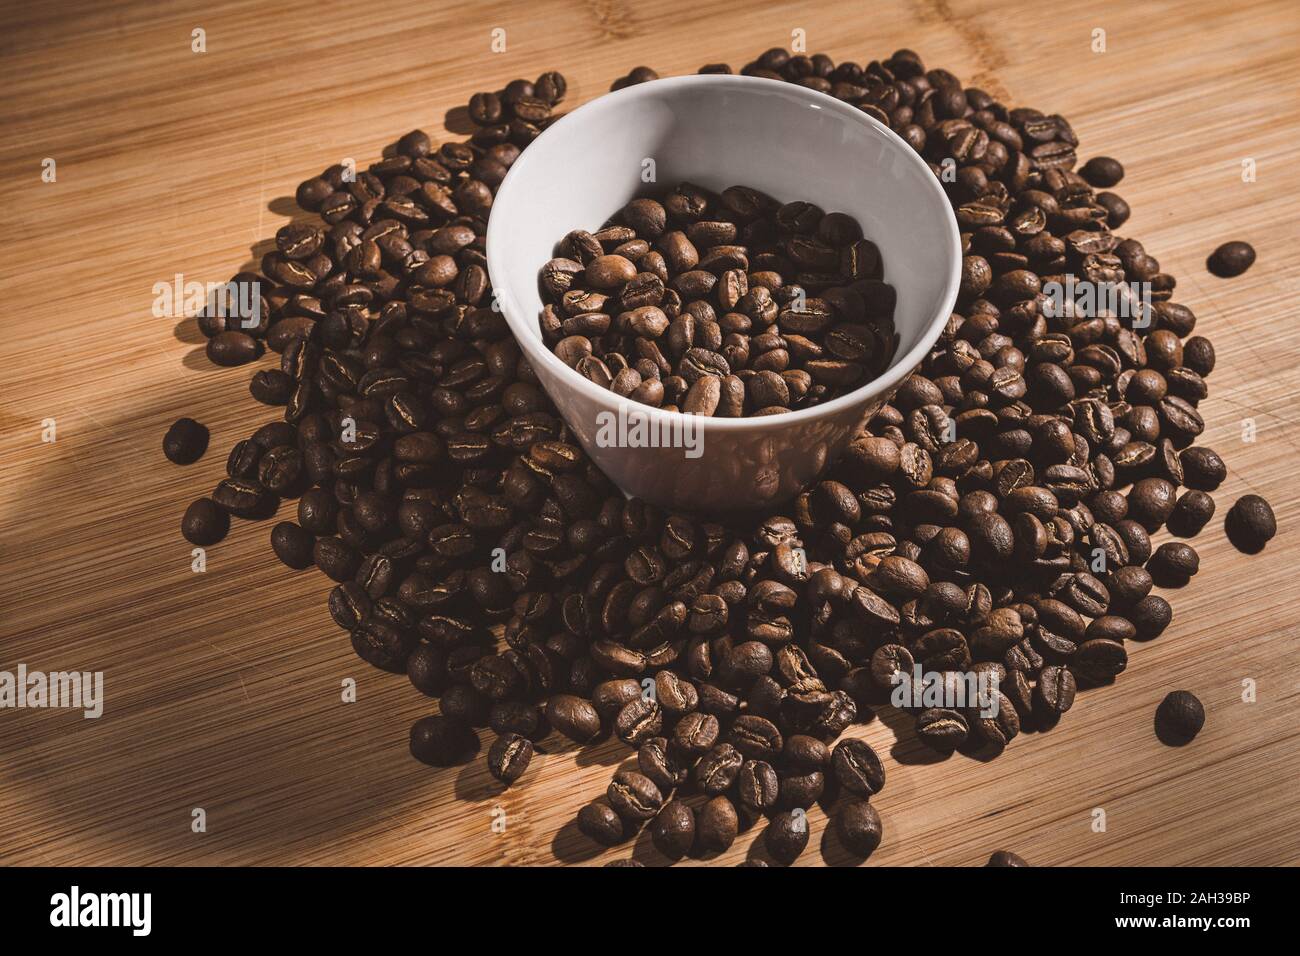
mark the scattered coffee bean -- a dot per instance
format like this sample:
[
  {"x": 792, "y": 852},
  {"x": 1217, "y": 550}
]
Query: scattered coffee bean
[
  {"x": 292, "y": 544},
  {"x": 858, "y": 826},
  {"x": 1005, "y": 858},
  {"x": 1250, "y": 524},
  {"x": 442, "y": 741},
  {"x": 673, "y": 830},
  {"x": 787, "y": 835},
  {"x": 1231, "y": 259},
  {"x": 204, "y": 523},
  {"x": 599, "y": 822},
  {"x": 508, "y": 757},
  {"x": 1179, "y": 718},
  {"x": 185, "y": 442}
]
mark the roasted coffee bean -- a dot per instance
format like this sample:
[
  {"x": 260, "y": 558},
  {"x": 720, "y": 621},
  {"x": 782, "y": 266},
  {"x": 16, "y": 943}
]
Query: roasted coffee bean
[
  {"x": 599, "y": 822},
  {"x": 717, "y": 770},
  {"x": 787, "y": 835},
  {"x": 716, "y": 825},
  {"x": 858, "y": 826},
  {"x": 1150, "y": 616},
  {"x": 508, "y": 757},
  {"x": 442, "y": 741},
  {"x": 1250, "y": 524},
  {"x": 185, "y": 442},
  {"x": 1179, "y": 718},
  {"x": 659, "y": 761},
  {"x": 673, "y": 830},
  {"x": 943, "y": 730},
  {"x": 574, "y": 717},
  {"x": 292, "y": 544},
  {"x": 726, "y": 324},
  {"x": 638, "y": 721},
  {"x": 1102, "y": 171},
  {"x": 857, "y": 768},
  {"x": 1191, "y": 513},
  {"x": 1203, "y": 469},
  {"x": 696, "y": 733},
  {"x": 232, "y": 348},
  {"x": 1099, "y": 660},
  {"x": 1054, "y": 692},
  {"x": 243, "y": 498},
  {"x": 634, "y": 796},
  {"x": 204, "y": 522},
  {"x": 426, "y": 665},
  {"x": 1231, "y": 259},
  {"x": 1173, "y": 564},
  {"x": 1005, "y": 858},
  {"x": 804, "y": 754},
  {"x": 272, "y": 387},
  {"x": 757, "y": 786}
]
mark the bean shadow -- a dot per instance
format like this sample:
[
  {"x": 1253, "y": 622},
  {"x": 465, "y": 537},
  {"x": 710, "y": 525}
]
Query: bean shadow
[
  {"x": 225, "y": 690},
  {"x": 456, "y": 120}
]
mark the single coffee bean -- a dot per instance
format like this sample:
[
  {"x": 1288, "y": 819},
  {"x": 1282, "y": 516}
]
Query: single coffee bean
[
  {"x": 1102, "y": 171},
  {"x": 1005, "y": 858},
  {"x": 232, "y": 348},
  {"x": 1179, "y": 718},
  {"x": 1173, "y": 564},
  {"x": 185, "y": 442},
  {"x": 638, "y": 721},
  {"x": 673, "y": 830},
  {"x": 757, "y": 785},
  {"x": 857, "y": 767},
  {"x": 1250, "y": 524},
  {"x": 1231, "y": 259},
  {"x": 272, "y": 387},
  {"x": 1054, "y": 692},
  {"x": 242, "y": 498},
  {"x": 204, "y": 523},
  {"x": 716, "y": 825},
  {"x": 1191, "y": 513},
  {"x": 659, "y": 761},
  {"x": 292, "y": 544},
  {"x": 508, "y": 757},
  {"x": 1150, "y": 616},
  {"x": 442, "y": 741},
  {"x": 787, "y": 835},
  {"x": 858, "y": 826},
  {"x": 574, "y": 717},
  {"x": 1203, "y": 469},
  {"x": 599, "y": 822},
  {"x": 634, "y": 796},
  {"x": 943, "y": 730}
]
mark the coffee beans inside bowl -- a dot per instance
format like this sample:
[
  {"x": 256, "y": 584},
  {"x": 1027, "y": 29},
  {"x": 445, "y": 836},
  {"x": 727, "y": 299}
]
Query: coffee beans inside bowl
[{"x": 727, "y": 304}]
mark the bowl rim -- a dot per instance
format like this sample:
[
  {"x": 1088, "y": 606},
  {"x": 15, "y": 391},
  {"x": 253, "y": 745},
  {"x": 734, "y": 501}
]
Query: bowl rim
[{"x": 536, "y": 349}]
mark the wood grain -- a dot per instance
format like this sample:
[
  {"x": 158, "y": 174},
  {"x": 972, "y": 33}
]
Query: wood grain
[{"x": 223, "y": 688}]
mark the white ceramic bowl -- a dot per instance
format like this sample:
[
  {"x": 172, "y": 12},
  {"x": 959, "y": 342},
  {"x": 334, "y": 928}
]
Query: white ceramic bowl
[{"x": 717, "y": 131}]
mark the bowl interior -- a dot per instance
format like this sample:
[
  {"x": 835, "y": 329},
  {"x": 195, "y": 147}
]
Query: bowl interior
[{"x": 719, "y": 131}]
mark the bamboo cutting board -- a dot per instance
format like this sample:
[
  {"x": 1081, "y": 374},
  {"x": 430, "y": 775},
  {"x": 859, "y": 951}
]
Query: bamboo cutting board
[{"x": 223, "y": 689}]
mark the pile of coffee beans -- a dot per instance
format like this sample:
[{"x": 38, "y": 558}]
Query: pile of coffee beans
[
  {"x": 995, "y": 519},
  {"x": 727, "y": 304}
]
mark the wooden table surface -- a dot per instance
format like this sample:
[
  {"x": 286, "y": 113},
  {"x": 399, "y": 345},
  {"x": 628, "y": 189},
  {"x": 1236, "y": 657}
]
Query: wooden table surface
[{"x": 224, "y": 689}]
